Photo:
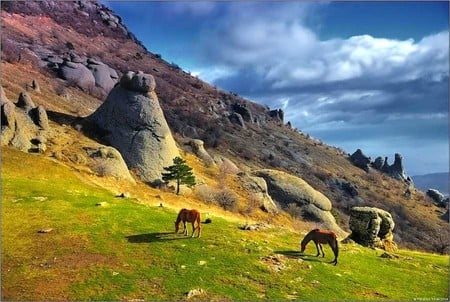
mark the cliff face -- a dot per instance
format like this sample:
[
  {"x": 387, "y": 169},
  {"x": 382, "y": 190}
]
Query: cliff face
[{"x": 38, "y": 37}]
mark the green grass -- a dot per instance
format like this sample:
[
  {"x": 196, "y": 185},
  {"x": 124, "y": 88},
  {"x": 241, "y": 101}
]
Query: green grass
[{"x": 127, "y": 250}]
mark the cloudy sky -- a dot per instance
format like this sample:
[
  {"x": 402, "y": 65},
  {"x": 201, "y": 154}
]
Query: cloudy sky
[{"x": 369, "y": 75}]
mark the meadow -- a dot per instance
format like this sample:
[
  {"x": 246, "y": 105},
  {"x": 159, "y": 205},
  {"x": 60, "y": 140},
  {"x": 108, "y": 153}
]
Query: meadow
[{"x": 58, "y": 244}]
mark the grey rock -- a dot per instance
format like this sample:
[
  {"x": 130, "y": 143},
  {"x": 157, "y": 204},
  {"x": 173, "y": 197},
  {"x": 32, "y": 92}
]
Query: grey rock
[
  {"x": 378, "y": 163},
  {"x": 138, "y": 82},
  {"x": 257, "y": 187},
  {"x": 35, "y": 86},
  {"x": 396, "y": 170},
  {"x": 437, "y": 196},
  {"x": 78, "y": 74},
  {"x": 39, "y": 117},
  {"x": 102, "y": 76},
  {"x": 54, "y": 59},
  {"x": 134, "y": 123},
  {"x": 277, "y": 115},
  {"x": 370, "y": 226},
  {"x": 3, "y": 98},
  {"x": 199, "y": 150},
  {"x": 244, "y": 112},
  {"x": 237, "y": 119},
  {"x": 360, "y": 160},
  {"x": 25, "y": 102},
  {"x": 107, "y": 161}
]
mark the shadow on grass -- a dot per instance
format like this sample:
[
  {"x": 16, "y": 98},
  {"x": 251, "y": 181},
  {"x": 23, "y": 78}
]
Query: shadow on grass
[
  {"x": 155, "y": 237},
  {"x": 298, "y": 255}
]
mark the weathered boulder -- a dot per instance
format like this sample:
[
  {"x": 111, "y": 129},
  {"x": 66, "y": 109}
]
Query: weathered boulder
[
  {"x": 132, "y": 121},
  {"x": 378, "y": 163},
  {"x": 25, "y": 102},
  {"x": 257, "y": 187},
  {"x": 8, "y": 121},
  {"x": 277, "y": 115},
  {"x": 245, "y": 112},
  {"x": 138, "y": 82},
  {"x": 437, "y": 196},
  {"x": 39, "y": 117},
  {"x": 35, "y": 86},
  {"x": 3, "y": 98},
  {"x": 226, "y": 165},
  {"x": 360, "y": 160},
  {"x": 237, "y": 119},
  {"x": 102, "y": 76},
  {"x": 199, "y": 150},
  {"x": 343, "y": 185},
  {"x": 78, "y": 74},
  {"x": 370, "y": 226},
  {"x": 107, "y": 161},
  {"x": 285, "y": 189}
]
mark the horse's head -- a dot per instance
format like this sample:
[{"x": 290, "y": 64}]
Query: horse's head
[{"x": 177, "y": 226}]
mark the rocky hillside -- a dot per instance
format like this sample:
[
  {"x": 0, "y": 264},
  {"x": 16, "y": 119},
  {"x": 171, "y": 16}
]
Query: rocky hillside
[{"x": 78, "y": 51}]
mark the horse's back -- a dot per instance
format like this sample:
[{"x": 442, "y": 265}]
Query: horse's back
[{"x": 324, "y": 235}]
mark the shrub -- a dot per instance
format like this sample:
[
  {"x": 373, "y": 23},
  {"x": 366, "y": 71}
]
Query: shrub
[
  {"x": 227, "y": 199},
  {"x": 294, "y": 210}
]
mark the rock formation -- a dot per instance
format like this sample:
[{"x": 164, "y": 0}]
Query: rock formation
[
  {"x": 378, "y": 163},
  {"x": 244, "y": 112},
  {"x": 236, "y": 118},
  {"x": 257, "y": 187},
  {"x": 199, "y": 150},
  {"x": 396, "y": 170},
  {"x": 277, "y": 115},
  {"x": 285, "y": 189},
  {"x": 131, "y": 120},
  {"x": 371, "y": 227},
  {"x": 360, "y": 160},
  {"x": 437, "y": 197},
  {"x": 23, "y": 125},
  {"x": 107, "y": 161}
]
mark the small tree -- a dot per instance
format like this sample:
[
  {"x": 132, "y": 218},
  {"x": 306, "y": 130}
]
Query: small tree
[{"x": 180, "y": 172}]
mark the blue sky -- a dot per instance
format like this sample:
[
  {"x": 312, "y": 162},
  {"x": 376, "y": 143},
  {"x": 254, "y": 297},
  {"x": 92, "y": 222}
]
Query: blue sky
[{"x": 369, "y": 75}]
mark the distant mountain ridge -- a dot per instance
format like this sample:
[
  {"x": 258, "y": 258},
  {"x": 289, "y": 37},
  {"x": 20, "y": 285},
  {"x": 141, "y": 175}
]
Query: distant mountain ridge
[{"x": 438, "y": 181}]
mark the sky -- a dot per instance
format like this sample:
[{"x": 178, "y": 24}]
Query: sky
[{"x": 368, "y": 75}]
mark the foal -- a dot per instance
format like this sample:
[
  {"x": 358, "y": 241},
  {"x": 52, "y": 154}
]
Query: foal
[
  {"x": 322, "y": 237},
  {"x": 191, "y": 216}
]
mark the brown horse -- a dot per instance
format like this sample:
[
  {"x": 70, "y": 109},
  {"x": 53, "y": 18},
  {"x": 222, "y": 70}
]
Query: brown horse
[
  {"x": 322, "y": 237},
  {"x": 191, "y": 216}
]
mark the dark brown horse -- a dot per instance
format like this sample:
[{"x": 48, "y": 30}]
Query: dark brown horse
[
  {"x": 322, "y": 237},
  {"x": 191, "y": 216}
]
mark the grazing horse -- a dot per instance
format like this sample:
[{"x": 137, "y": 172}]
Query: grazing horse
[
  {"x": 191, "y": 216},
  {"x": 322, "y": 237}
]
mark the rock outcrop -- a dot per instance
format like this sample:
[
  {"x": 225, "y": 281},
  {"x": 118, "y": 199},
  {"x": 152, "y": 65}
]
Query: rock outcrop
[
  {"x": 360, "y": 160},
  {"x": 237, "y": 119},
  {"x": 199, "y": 150},
  {"x": 438, "y": 198},
  {"x": 371, "y": 227},
  {"x": 285, "y": 189},
  {"x": 23, "y": 126},
  {"x": 132, "y": 121},
  {"x": 396, "y": 170},
  {"x": 257, "y": 187},
  {"x": 77, "y": 74},
  {"x": 244, "y": 112},
  {"x": 107, "y": 161},
  {"x": 277, "y": 115}
]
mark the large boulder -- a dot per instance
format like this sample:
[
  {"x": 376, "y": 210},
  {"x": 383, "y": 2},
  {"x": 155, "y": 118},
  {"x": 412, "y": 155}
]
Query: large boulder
[
  {"x": 3, "y": 98},
  {"x": 257, "y": 187},
  {"x": 378, "y": 163},
  {"x": 437, "y": 197},
  {"x": 285, "y": 188},
  {"x": 25, "y": 102},
  {"x": 360, "y": 160},
  {"x": 107, "y": 161},
  {"x": 371, "y": 226},
  {"x": 132, "y": 121},
  {"x": 78, "y": 74},
  {"x": 102, "y": 76},
  {"x": 245, "y": 112},
  {"x": 199, "y": 150},
  {"x": 237, "y": 119}
]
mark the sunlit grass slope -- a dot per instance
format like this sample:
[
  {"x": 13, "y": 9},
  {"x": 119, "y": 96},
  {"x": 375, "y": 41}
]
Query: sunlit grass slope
[{"x": 126, "y": 250}]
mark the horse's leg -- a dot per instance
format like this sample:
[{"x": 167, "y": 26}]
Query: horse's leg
[
  {"x": 193, "y": 229},
  {"x": 199, "y": 228},
  {"x": 185, "y": 231},
  {"x": 321, "y": 248},
  {"x": 317, "y": 247}
]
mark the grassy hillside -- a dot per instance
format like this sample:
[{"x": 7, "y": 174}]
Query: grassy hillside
[{"x": 126, "y": 250}]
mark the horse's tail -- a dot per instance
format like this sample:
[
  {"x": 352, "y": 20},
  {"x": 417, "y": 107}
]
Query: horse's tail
[{"x": 199, "y": 219}]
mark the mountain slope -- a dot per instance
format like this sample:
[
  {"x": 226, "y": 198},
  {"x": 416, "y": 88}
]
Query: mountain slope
[{"x": 193, "y": 109}]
